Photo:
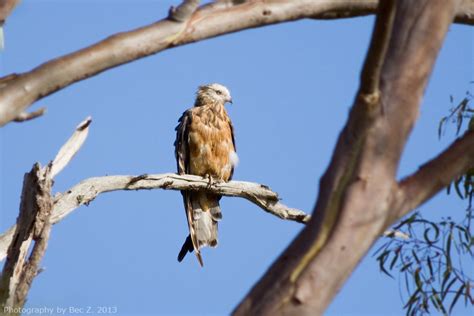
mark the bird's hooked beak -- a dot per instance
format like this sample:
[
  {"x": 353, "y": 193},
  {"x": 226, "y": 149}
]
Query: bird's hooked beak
[{"x": 230, "y": 100}]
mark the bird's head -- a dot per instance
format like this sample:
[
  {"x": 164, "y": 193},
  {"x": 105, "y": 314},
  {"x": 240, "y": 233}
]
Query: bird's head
[{"x": 213, "y": 93}]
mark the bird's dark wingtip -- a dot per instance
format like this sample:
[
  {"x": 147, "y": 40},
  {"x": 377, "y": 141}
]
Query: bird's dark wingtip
[{"x": 187, "y": 247}]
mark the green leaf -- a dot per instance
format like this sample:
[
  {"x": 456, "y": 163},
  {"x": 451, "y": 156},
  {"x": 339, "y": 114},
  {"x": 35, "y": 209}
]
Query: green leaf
[
  {"x": 395, "y": 258},
  {"x": 381, "y": 259},
  {"x": 445, "y": 292},
  {"x": 424, "y": 304},
  {"x": 409, "y": 220},
  {"x": 440, "y": 126},
  {"x": 467, "y": 295},
  {"x": 430, "y": 266},
  {"x": 438, "y": 304},
  {"x": 436, "y": 233},
  {"x": 448, "y": 248},
  {"x": 435, "y": 304},
  {"x": 456, "y": 187},
  {"x": 415, "y": 256},
  {"x": 446, "y": 276},
  {"x": 462, "y": 106},
  {"x": 467, "y": 185},
  {"x": 406, "y": 266},
  {"x": 456, "y": 297},
  {"x": 419, "y": 283},
  {"x": 466, "y": 232},
  {"x": 413, "y": 298},
  {"x": 468, "y": 247}
]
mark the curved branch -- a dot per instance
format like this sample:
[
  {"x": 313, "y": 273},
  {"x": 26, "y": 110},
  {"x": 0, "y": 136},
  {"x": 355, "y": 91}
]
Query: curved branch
[
  {"x": 436, "y": 174},
  {"x": 208, "y": 21},
  {"x": 87, "y": 190}
]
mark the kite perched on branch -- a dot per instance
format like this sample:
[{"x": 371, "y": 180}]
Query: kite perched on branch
[{"x": 205, "y": 146}]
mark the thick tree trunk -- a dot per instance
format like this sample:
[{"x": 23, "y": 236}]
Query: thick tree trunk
[{"x": 359, "y": 192}]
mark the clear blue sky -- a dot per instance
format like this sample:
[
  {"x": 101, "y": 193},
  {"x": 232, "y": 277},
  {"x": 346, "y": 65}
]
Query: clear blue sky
[{"x": 292, "y": 86}]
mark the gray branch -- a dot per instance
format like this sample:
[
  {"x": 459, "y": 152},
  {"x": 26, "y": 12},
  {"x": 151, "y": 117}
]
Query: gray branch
[
  {"x": 17, "y": 92},
  {"x": 87, "y": 190},
  {"x": 33, "y": 226}
]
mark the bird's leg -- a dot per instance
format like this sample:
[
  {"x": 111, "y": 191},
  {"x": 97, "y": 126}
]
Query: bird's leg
[{"x": 209, "y": 180}]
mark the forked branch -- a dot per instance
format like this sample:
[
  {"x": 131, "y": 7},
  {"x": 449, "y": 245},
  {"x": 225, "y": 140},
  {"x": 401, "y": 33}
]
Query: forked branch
[
  {"x": 184, "y": 25},
  {"x": 33, "y": 227},
  {"x": 436, "y": 174}
]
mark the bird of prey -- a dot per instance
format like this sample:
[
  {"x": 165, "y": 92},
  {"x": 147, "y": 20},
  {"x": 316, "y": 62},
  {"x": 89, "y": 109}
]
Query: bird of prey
[{"x": 205, "y": 146}]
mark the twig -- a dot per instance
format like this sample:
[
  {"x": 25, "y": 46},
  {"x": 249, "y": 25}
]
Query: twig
[
  {"x": 71, "y": 147},
  {"x": 396, "y": 234},
  {"x": 26, "y": 116}
]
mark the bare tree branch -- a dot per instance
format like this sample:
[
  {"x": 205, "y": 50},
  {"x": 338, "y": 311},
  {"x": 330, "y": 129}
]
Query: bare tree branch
[
  {"x": 436, "y": 174},
  {"x": 33, "y": 224},
  {"x": 351, "y": 9},
  {"x": 87, "y": 190},
  {"x": 396, "y": 234},
  {"x": 71, "y": 147},
  {"x": 208, "y": 21},
  {"x": 26, "y": 116},
  {"x": 256, "y": 193}
]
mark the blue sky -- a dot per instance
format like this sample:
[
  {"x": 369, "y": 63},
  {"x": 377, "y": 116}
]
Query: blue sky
[{"x": 292, "y": 86}]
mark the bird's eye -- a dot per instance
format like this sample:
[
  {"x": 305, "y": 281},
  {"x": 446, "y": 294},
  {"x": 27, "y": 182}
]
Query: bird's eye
[{"x": 218, "y": 92}]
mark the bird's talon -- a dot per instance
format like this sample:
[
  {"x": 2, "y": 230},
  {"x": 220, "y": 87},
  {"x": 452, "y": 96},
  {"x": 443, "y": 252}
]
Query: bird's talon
[{"x": 209, "y": 180}]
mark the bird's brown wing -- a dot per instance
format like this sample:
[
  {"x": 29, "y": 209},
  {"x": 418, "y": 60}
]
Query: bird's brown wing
[
  {"x": 182, "y": 160},
  {"x": 181, "y": 146},
  {"x": 233, "y": 143}
]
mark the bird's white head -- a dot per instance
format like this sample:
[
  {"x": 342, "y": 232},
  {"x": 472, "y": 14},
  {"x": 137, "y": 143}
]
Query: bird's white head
[{"x": 213, "y": 93}]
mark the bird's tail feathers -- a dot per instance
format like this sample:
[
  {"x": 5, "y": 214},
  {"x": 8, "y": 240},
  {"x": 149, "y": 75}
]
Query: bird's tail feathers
[
  {"x": 203, "y": 216},
  {"x": 187, "y": 247},
  {"x": 205, "y": 222}
]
